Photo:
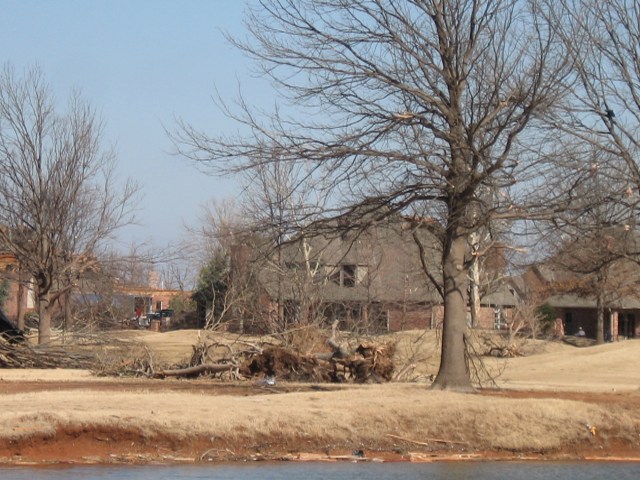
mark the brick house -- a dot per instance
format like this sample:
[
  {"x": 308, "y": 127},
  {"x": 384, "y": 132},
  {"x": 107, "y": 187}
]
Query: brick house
[
  {"x": 149, "y": 297},
  {"x": 372, "y": 280},
  {"x": 576, "y": 306}
]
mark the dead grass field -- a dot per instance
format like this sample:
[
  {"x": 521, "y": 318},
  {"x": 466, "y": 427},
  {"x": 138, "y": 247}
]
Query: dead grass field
[{"x": 546, "y": 406}]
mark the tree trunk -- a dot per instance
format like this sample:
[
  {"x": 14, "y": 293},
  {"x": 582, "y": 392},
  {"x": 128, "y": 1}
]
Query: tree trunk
[
  {"x": 453, "y": 373},
  {"x": 192, "y": 372},
  {"x": 68, "y": 316},
  {"x": 474, "y": 291},
  {"x": 600, "y": 311},
  {"x": 21, "y": 322},
  {"x": 44, "y": 322}
]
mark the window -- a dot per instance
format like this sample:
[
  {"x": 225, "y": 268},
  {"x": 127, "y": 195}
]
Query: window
[
  {"x": 345, "y": 275},
  {"x": 499, "y": 322},
  {"x": 348, "y": 275}
]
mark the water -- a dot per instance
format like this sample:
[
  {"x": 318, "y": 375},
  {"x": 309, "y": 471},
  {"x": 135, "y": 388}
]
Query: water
[{"x": 337, "y": 471}]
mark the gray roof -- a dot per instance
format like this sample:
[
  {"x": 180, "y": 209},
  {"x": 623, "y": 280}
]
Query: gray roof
[
  {"x": 577, "y": 301},
  {"x": 505, "y": 296},
  {"x": 565, "y": 288},
  {"x": 385, "y": 255}
]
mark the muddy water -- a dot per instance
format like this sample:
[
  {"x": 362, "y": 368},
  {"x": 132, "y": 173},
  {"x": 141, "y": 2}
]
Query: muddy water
[{"x": 337, "y": 471}]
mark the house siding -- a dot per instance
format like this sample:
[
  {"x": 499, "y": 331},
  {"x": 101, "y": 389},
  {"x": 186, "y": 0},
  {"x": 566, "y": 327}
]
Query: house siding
[{"x": 371, "y": 280}]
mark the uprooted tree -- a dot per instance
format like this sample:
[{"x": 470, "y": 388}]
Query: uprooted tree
[
  {"x": 418, "y": 107},
  {"x": 336, "y": 361}
]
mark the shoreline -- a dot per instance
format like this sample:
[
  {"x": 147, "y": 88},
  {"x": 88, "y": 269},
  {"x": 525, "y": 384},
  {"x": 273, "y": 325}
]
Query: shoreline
[
  {"x": 93, "y": 445},
  {"x": 137, "y": 422},
  {"x": 387, "y": 457}
]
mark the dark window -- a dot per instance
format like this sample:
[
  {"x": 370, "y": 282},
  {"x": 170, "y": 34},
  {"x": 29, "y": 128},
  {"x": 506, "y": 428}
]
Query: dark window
[
  {"x": 568, "y": 323},
  {"x": 348, "y": 275},
  {"x": 344, "y": 275}
]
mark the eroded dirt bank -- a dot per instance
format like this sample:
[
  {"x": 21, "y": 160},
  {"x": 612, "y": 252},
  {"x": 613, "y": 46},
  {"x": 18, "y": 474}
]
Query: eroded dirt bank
[{"x": 120, "y": 421}]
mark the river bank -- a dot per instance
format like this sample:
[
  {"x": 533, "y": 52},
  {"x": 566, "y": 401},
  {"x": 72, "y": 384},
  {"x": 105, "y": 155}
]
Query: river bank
[
  {"x": 87, "y": 420},
  {"x": 558, "y": 402}
]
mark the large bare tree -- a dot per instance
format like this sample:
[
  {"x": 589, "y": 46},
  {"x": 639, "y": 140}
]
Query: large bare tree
[
  {"x": 59, "y": 199},
  {"x": 417, "y": 106}
]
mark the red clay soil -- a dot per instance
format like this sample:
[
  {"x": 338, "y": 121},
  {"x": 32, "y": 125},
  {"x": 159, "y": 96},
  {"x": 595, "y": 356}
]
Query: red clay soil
[
  {"x": 102, "y": 445},
  {"x": 147, "y": 385}
]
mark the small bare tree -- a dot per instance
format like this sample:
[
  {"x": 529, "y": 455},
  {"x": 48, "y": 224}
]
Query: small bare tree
[
  {"x": 596, "y": 232},
  {"x": 59, "y": 200},
  {"x": 209, "y": 250},
  {"x": 280, "y": 206}
]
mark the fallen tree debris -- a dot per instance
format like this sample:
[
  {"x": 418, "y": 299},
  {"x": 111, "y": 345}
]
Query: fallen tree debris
[
  {"x": 192, "y": 372},
  {"x": 369, "y": 362},
  {"x": 23, "y": 355},
  {"x": 331, "y": 359}
]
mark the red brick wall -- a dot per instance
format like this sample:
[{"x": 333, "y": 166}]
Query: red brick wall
[{"x": 410, "y": 318}]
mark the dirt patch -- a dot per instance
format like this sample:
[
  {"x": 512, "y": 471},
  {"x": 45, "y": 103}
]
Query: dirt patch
[
  {"x": 191, "y": 386},
  {"x": 101, "y": 445}
]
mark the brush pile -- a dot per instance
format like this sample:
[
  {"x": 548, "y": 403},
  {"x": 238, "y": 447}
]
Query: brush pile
[
  {"x": 305, "y": 355},
  {"x": 367, "y": 363},
  {"x": 330, "y": 361},
  {"x": 18, "y": 353}
]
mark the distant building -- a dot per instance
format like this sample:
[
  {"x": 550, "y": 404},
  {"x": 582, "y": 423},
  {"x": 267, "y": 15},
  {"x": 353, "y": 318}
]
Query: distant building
[
  {"x": 576, "y": 306},
  {"x": 371, "y": 279}
]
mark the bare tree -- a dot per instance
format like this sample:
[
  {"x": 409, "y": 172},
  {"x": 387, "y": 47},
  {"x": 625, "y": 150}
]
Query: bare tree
[
  {"x": 596, "y": 232},
  {"x": 401, "y": 104},
  {"x": 603, "y": 38},
  {"x": 603, "y": 111},
  {"x": 59, "y": 200},
  {"x": 209, "y": 250},
  {"x": 280, "y": 205}
]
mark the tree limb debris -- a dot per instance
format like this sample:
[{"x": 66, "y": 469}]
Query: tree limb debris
[
  {"x": 368, "y": 362},
  {"x": 192, "y": 372},
  {"x": 20, "y": 354},
  {"x": 337, "y": 362}
]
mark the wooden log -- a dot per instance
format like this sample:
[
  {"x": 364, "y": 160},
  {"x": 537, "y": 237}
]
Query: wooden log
[{"x": 197, "y": 370}]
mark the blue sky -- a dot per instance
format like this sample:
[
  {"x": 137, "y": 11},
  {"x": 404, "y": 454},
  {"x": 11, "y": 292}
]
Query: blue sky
[{"x": 141, "y": 64}]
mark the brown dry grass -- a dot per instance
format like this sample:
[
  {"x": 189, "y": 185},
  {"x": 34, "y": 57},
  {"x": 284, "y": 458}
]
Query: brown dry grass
[{"x": 354, "y": 416}]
